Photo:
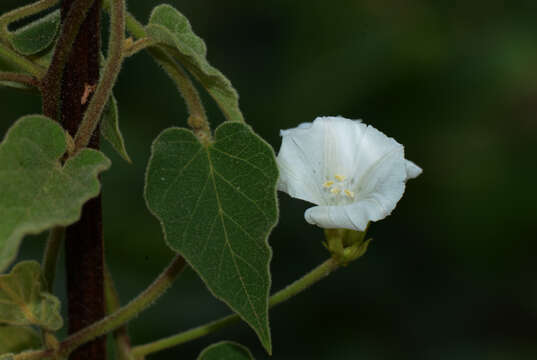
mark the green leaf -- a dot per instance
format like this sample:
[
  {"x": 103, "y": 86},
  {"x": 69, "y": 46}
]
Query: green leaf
[
  {"x": 7, "y": 357},
  {"x": 217, "y": 205},
  {"x": 23, "y": 303},
  {"x": 110, "y": 128},
  {"x": 37, "y": 35},
  {"x": 168, "y": 26},
  {"x": 15, "y": 339},
  {"x": 226, "y": 350},
  {"x": 37, "y": 192}
]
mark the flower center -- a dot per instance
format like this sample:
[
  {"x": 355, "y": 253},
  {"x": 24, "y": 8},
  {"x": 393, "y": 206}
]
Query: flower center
[{"x": 338, "y": 190}]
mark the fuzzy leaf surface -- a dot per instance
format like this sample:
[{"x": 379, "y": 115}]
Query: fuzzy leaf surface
[
  {"x": 37, "y": 35},
  {"x": 15, "y": 339},
  {"x": 171, "y": 28},
  {"x": 217, "y": 205},
  {"x": 226, "y": 350},
  {"x": 110, "y": 128},
  {"x": 22, "y": 302},
  {"x": 37, "y": 192}
]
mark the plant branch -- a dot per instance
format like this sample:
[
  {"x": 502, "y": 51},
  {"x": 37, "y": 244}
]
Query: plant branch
[
  {"x": 116, "y": 319},
  {"x": 108, "y": 78},
  {"x": 52, "y": 81},
  {"x": 134, "y": 47},
  {"x": 23, "y": 12},
  {"x": 317, "y": 274},
  {"x": 21, "y": 62},
  {"x": 20, "y": 78},
  {"x": 198, "y": 118}
]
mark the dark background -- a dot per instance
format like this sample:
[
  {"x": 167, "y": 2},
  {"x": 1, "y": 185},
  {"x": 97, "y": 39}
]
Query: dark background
[{"x": 451, "y": 273}]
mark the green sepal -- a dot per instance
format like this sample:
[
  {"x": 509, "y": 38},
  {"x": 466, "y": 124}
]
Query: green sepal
[
  {"x": 226, "y": 350},
  {"x": 22, "y": 301},
  {"x": 171, "y": 28},
  {"x": 37, "y": 191},
  {"x": 217, "y": 205},
  {"x": 15, "y": 339},
  {"x": 110, "y": 128},
  {"x": 37, "y": 35}
]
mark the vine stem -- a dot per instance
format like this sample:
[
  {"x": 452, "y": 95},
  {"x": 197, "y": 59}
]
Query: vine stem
[
  {"x": 21, "y": 62},
  {"x": 317, "y": 274},
  {"x": 117, "y": 318},
  {"x": 198, "y": 119},
  {"x": 20, "y": 78},
  {"x": 108, "y": 78},
  {"x": 23, "y": 12},
  {"x": 52, "y": 81}
]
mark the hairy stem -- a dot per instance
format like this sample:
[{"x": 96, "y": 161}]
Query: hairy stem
[
  {"x": 317, "y": 274},
  {"x": 23, "y": 12},
  {"x": 53, "y": 79},
  {"x": 109, "y": 75},
  {"x": 198, "y": 118},
  {"x": 21, "y": 62},
  {"x": 129, "y": 311},
  {"x": 117, "y": 318},
  {"x": 20, "y": 78}
]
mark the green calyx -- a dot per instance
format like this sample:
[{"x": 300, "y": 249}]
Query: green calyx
[{"x": 346, "y": 245}]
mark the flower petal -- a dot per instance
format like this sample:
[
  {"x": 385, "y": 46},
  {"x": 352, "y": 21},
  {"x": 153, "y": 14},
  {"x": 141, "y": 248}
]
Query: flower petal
[
  {"x": 382, "y": 188},
  {"x": 412, "y": 170},
  {"x": 301, "y": 162}
]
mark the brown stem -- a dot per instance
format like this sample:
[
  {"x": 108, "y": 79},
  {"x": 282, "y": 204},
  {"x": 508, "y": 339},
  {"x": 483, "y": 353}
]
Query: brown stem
[
  {"x": 20, "y": 78},
  {"x": 84, "y": 239}
]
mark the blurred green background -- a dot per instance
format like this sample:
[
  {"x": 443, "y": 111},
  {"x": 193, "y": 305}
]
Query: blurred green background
[{"x": 452, "y": 272}]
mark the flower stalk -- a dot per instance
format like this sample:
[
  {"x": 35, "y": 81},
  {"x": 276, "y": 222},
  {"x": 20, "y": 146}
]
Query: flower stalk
[{"x": 314, "y": 276}]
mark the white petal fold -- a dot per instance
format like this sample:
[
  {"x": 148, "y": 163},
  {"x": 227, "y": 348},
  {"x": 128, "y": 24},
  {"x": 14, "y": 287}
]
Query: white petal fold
[{"x": 372, "y": 164}]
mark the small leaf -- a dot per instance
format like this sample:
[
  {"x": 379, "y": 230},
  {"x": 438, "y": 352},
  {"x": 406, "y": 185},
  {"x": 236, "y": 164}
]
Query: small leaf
[
  {"x": 226, "y": 350},
  {"x": 170, "y": 27},
  {"x": 23, "y": 303},
  {"x": 217, "y": 205},
  {"x": 37, "y": 35},
  {"x": 15, "y": 339},
  {"x": 37, "y": 192},
  {"x": 110, "y": 128}
]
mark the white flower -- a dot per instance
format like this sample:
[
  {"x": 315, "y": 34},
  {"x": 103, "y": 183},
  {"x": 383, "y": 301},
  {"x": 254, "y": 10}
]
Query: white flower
[{"x": 352, "y": 171}]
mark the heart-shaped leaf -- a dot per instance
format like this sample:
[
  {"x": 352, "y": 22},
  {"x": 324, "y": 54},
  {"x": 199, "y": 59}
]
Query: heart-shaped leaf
[
  {"x": 22, "y": 302},
  {"x": 37, "y": 35},
  {"x": 217, "y": 205},
  {"x": 168, "y": 26},
  {"x": 110, "y": 128},
  {"x": 37, "y": 191},
  {"x": 226, "y": 350},
  {"x": 15, "y": 339}
]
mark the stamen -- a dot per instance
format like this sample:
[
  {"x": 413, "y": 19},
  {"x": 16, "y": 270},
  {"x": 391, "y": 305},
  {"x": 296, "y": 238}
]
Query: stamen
[
  {"x": 349, "y": 193},
  {"x": 335, "y": 190},
  {"x": 328, "y": 184},
  {"x": 340, "y": 177}
]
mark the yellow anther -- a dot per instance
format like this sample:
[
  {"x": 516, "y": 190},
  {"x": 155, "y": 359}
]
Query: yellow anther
[
  {"x": 349, "y": 193},
  {"x": 335, "y": 190},
  {"x": 340, "y": 177},
  {"x": 328, "y": 184}
]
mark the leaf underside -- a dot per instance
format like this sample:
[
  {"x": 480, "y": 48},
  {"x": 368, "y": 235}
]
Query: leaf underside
[
  {"x": 217, "y": 205},
  {"x": 15, "y": 339},
  {"x": 37, "y": 192},
  {"x": 110, "y": 128},
  {"x": 226, "y": 350},
  {"x": 23, "y": 303}
]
